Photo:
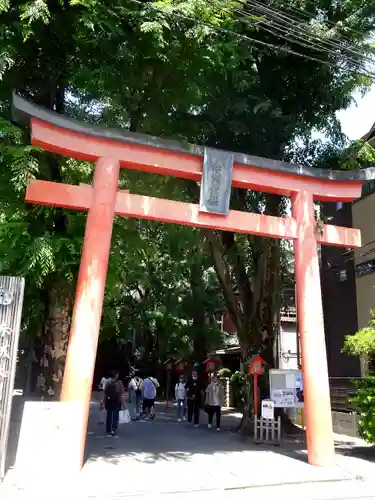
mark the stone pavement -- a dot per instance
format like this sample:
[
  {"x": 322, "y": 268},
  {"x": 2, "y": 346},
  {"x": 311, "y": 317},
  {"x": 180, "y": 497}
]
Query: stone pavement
[{"x": 164, "y": 458}]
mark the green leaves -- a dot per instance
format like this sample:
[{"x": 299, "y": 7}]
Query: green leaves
[
  {"x": 4, "y": 5},
  {"x": 362, "y": 343},
  {"x": 34, "y": 11},
  {"x": 365, "y": 404}
]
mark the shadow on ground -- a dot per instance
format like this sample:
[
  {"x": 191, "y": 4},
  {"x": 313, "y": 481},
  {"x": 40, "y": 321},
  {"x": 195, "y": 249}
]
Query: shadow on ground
[{"x": 165, "y": 440}]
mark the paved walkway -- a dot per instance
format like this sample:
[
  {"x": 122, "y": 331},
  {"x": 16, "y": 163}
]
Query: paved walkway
[{"x": 165, "y": 457}]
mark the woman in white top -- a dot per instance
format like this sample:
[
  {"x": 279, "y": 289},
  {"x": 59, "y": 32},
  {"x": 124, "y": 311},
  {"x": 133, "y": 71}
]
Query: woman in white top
[
  {"x": 104, "y": 381},
  {"x": 214, "y": 401},
  {"x": 135, "y": 396},
  {"x": 180, "y": 394}
]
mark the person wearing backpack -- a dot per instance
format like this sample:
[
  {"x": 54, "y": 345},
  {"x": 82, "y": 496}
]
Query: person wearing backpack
[
  {"x": 149, "y": 388},
  {"x": 194, "y": 393},
  {"x": 135, "y": 396},
  {"x": 113, "y": 402}
]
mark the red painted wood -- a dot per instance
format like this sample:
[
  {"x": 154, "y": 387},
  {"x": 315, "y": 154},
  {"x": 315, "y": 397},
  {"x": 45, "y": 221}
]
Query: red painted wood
[
  {"x": 163, "y": 161},
  {"x": 177, "y": 212},
  {"x": 146, "y": 207},
  {"x": 87, "y": 313},
  {"x": 319, "y": 434},
  {"x": 339, "y": 236}
]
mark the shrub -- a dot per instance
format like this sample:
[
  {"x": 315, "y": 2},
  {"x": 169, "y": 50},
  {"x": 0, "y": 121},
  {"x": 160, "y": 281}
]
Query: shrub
[
  {"x": 365, "y": 403},
  {"x": 362, "y": 343},
  {"x": 225, "y": 373},
  {"x": 237, "y": 382}
]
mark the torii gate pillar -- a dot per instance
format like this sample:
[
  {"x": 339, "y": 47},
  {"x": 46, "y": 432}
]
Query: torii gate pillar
[
  {"x": 87, "y": 313},
  {"x": 319, "y": 431}
]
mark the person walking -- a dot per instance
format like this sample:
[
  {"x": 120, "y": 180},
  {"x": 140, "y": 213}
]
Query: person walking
[
  {"x": 180, "y": 395},
  {"x": 194, "y": 393},
  {"x": 135, "y": 396},
  {"x": 104, "y": 381},
  {"x": 113, "y": 402},
  {"x": 214, "y": 401},
  {"x": 149, "y": 388}
]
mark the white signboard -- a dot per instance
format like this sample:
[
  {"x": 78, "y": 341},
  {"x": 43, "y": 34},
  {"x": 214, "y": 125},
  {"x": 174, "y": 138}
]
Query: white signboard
[
  {"x": 268, "y": 409},
  {"x": 286, "y": 388},
  {"x": 283, "y": 398}
]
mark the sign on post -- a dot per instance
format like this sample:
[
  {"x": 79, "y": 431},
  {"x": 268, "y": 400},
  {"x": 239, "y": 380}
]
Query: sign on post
[
  {"x": 286, "y": 388},
  {"x": 216, "y": 181},
  {"x": 268, "y": 409},
  {"x": 255, "y": 369}
]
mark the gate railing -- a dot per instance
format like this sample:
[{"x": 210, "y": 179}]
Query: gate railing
[
  {"x": 342, "y": 389},
  {"x": 11, "y": 300}
]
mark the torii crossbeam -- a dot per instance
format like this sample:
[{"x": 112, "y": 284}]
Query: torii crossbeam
[{"x": 112, "y": 150}]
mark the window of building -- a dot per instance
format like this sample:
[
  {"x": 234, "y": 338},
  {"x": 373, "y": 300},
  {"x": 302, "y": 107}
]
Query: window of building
[
  {"x": 343, "y": 274},
  {"x": 364, "y": 268},
  {"x": 368, "y": 188}
]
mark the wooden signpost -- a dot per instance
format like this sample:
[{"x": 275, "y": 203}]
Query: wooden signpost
[{"x": 256, "y": 369}]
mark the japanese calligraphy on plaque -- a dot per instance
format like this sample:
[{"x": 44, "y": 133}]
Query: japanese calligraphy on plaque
[{"x": 216, "y": 182}]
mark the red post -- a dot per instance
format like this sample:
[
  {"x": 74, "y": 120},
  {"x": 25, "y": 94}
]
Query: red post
[
  {"x": 319, "y": 434},
  {"x": 255, "y": 390},
  {"x": 87, "y": 313}
]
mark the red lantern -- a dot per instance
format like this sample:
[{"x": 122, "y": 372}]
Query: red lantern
[
  {"x": 256, "y": 366},
  {"x": 210, "y": 365},
  {"x": 256, "y": 369},
  {"x": 180, "y": 367}
]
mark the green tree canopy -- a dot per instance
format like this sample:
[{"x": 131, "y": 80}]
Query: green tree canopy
[{"x": 233, "y": 75}]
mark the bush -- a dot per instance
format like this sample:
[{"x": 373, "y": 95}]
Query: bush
[
  {"x": 237, "y": 382},
  {"x": 365, "y": 403},
  {"x": 362, "y": 343},
  {"x": 225, "y": 373}
]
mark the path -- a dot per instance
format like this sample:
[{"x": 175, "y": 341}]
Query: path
[
  {"x": 175, "y": 460},
  {"x": 165, "y": 456}
]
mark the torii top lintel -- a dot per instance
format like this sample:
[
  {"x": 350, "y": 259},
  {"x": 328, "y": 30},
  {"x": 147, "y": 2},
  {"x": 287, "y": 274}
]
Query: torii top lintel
[{"x": 59, "y": 134}]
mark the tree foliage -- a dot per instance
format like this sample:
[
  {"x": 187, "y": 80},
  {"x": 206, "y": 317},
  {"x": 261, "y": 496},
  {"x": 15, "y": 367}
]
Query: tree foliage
[
  {"x": 195, "y": 70},
  {"x": 362, "y": 343},
  {"x": 364, "y": 401}
]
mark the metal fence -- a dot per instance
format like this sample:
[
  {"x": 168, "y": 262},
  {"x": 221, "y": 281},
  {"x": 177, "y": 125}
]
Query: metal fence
[
  {"x": 342, "y": 389},
  {"x": 11, "y": 300}
]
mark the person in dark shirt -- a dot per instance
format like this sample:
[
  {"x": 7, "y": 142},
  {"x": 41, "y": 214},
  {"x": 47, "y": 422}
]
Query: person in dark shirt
[{"x": 194, "y": 393}]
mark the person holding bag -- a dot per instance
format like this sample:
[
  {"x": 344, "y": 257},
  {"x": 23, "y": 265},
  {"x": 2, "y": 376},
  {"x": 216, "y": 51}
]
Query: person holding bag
[
  {"x": 214, "y": 401},
  {"x": 114, "y": 401}
]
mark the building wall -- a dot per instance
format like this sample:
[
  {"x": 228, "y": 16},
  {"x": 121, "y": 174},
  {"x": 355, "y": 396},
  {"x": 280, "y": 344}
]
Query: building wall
[
  {"x": 364, "y": 219},
  {"x": 339, "y": 296},
  {"x": 288, "y": 346}
]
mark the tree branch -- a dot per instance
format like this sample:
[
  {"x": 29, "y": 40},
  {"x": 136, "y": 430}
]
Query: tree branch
[{"x": 223, "y": 275}]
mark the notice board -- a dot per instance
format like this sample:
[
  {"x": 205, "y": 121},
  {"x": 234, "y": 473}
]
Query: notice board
[{"x": 286, "y": 388}]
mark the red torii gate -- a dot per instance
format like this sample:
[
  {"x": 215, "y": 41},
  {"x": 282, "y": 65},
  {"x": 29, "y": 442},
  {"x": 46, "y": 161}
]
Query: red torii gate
[{"x": 112, "y": 150}]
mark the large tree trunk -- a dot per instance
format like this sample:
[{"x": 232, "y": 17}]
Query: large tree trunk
[
  {"x": 252, "y": 298},
  {"x": 56, "y": 336},
  {"x": 199, "y": 328}
]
